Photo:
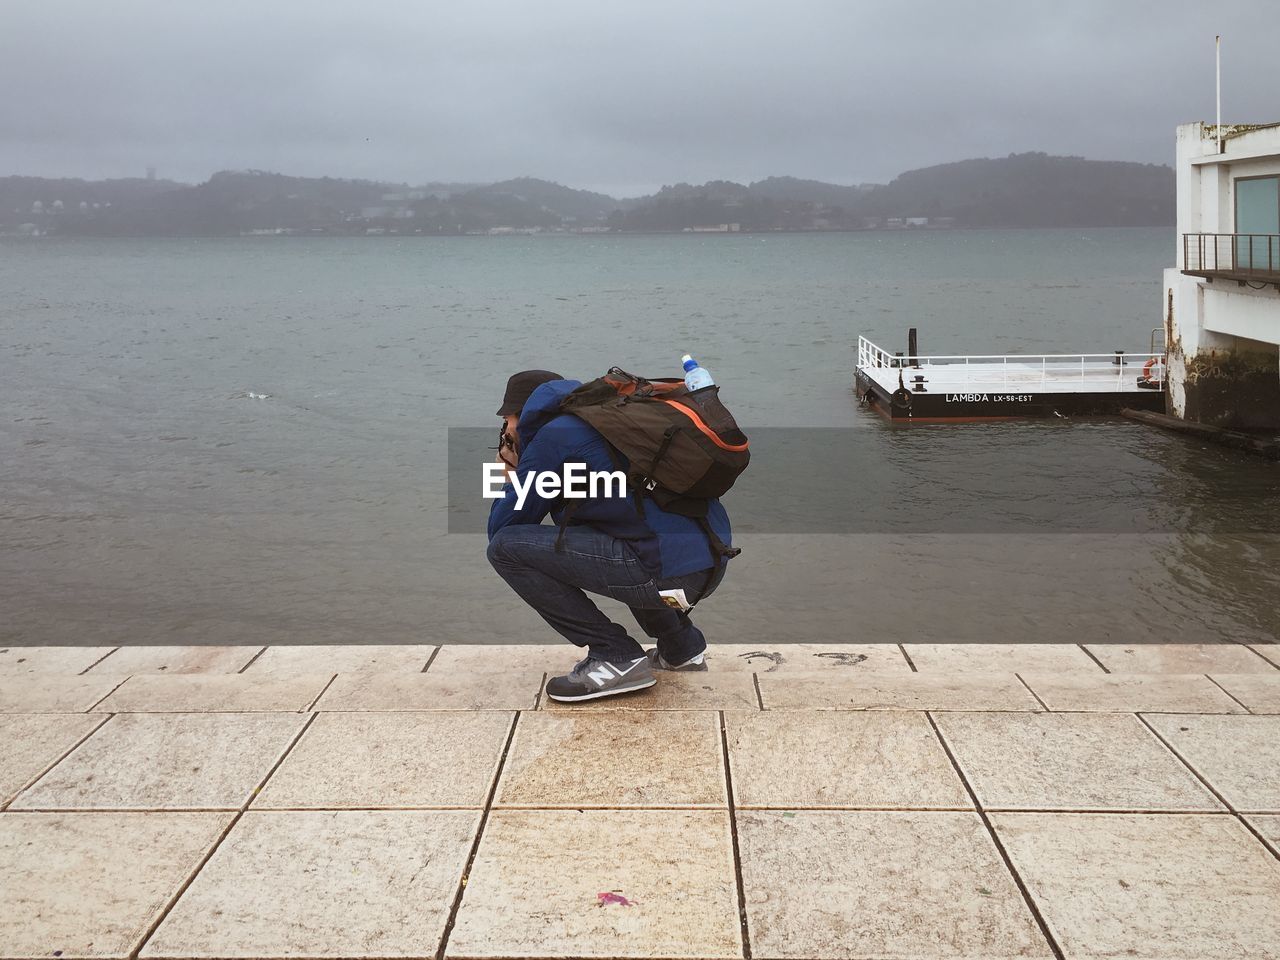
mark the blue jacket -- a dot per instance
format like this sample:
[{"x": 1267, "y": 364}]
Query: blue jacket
[{"x": 668, "y": 544}]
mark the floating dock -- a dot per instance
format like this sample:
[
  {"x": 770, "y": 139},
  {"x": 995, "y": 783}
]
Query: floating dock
[{"x": 933, "y": 389}]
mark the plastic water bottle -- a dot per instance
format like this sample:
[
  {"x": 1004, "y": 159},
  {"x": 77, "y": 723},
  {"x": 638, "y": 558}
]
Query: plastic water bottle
[{"x": 695, "y": 377}]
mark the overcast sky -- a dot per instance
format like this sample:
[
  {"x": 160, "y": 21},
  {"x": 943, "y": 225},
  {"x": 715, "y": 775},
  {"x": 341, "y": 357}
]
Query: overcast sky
[{"x": 615, "y": 96}]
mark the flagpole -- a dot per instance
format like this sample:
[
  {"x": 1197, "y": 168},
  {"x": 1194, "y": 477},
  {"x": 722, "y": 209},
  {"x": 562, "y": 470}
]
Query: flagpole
[{"x": 1217, "y": 45}]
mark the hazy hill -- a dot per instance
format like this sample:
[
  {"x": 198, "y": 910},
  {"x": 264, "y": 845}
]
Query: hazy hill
[
  {"x": 811, "y": 191},
  {"x": 235, "y": 201},
  {"x": 1023, "y": 190},
  {"x": 19, "y": 196},
  {"x": 442, "y": 189},
  {"x": 229, "y": 202},
  {"x": 1032, "y": 190},
  {"x": 684, "y": 205},
  {"x": 565, "y": 202}
]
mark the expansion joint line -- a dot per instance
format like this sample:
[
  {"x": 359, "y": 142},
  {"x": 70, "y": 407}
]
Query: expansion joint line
[
  {"x": 995, "y": 838},
  {"x": 733, "y": 834},
  {"x": 542, "y": 686},
  {"x": 191, "y": 877},
  {"x": 475, "y": 844},
  {"x": 1244, "y": 706},
  {"x": 1043, "y": 705},
  {"x": 1089, "y": 653},
  {"x": 104, "y": 717},
  {"x": 98, "y": 661},
  {"x": 102, "y": 699},
  {"x": 252, "y": 660},
  {"x": 1240, "y": 818},
  {"x": 310, "y": 708}
]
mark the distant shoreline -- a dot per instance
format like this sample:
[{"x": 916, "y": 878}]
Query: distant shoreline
[
  {"x": 566, "y": 234},
  {"x": 1018, "y": 191}
]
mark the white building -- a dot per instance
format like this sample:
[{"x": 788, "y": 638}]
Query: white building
[{"x": 1222, "y": 301}]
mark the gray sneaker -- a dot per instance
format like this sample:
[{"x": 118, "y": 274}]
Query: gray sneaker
[
  {"x": 659, "y": 662},
  {"x": 591, "y": 679}
]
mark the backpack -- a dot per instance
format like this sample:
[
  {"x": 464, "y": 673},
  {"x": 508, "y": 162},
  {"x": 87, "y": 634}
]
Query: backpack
[{"x": 683, "y": 448}]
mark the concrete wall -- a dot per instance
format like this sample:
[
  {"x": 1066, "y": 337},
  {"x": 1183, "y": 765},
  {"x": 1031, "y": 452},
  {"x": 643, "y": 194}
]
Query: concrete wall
[
  {"x": 1206, "y": 203},
  {"x": 1224, "y": 338}
]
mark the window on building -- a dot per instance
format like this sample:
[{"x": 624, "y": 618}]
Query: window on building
[{"x": 1258, "y": 223}]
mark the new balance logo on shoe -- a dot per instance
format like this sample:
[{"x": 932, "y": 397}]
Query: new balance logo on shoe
[
  {"x": 602, "y": 673},
  {"x": 598, "y": 678}
]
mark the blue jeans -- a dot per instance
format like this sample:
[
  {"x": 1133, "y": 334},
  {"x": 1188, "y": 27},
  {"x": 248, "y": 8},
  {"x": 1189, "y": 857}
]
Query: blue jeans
[{"x": 556, "y": 583}]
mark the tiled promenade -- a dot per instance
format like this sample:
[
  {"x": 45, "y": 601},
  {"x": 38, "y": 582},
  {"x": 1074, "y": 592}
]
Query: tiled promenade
[{"x": 917, "y": 802}]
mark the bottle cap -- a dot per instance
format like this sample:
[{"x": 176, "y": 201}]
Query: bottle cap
[{"x": 688, "y": 362}]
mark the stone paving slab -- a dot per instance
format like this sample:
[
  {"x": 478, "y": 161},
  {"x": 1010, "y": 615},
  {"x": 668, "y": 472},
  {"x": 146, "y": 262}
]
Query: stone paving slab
[
  {"x": 352, "y": 883},
  {"x": 1258, "y": 691},
  {"x": 1268, "y": 651},
  {"x": 91, "y": 884},
  {"x": 1131, "y": 693},
  {"x": 166, "y": 762},
  {"x": 601, "y": 883},
  {"x": 805, "y": 657},
  {"x": 66, "y": 661},
  {"x": 391, "y": 760},
  {"x": 855, "y": 834},
  {"x": 1148, "y": 887},
  {"x": 498, "y": 689},
  {"x": 663, "y": 759},
  {"x": 882, "y": 691},
  {"x": 995, "y": 658},
  {"x": 1070, "y": 761},
  {"x": 862, "y": 760},
  {"x": 855, "y": 884},
  {"x": 1180, "y": 658},
  {"x": 1269, "y": 827},
  {"x": 52, "y": 693},
  {"x": 214, "y": 693},
  {"x": 289, "y": 661},
  {"x": 621, "y": 760},
  {"x": 675, "y": 691},
  {"x": 29, "y": 745},
  {"x": 1239, "y": 756},
  {"x": 170, "y": 659}
]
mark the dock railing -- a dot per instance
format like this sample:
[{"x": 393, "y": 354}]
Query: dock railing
[{"x": 1091, "y": 368}]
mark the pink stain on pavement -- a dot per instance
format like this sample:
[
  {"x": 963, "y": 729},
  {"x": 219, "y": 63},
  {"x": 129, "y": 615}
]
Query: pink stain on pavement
[{"x": 608, "y": 898}]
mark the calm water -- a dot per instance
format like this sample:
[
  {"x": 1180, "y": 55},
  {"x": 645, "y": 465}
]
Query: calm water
[{"x": 146, "y": 496}]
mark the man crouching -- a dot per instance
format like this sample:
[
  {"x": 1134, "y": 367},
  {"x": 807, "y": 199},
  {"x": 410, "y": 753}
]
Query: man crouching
[{"x": 613, "y": 545}]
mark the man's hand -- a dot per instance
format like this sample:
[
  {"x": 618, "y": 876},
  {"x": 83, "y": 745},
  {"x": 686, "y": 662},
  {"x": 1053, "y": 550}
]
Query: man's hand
[
  {"x": 508, "y": 457},
  {"x": 507, "y": 454}
]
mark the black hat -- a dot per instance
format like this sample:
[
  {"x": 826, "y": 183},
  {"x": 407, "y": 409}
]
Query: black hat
[{"x": 521, "y": 386}]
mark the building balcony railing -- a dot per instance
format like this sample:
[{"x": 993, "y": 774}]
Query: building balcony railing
[{"x": 1244, "y": 257}]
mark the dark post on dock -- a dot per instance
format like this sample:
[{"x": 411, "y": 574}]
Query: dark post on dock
[{"x": 913, "y": 354}]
